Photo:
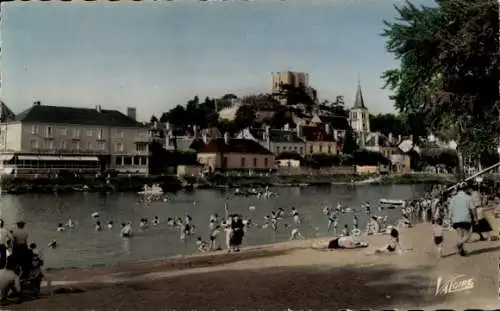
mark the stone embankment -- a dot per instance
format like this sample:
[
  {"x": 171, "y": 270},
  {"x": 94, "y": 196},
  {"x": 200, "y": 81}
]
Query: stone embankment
[{"x": 20, "y": 185}]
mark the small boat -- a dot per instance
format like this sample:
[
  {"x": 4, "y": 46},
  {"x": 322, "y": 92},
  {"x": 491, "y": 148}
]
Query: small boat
[
  {"x": 153, "y": 190},
  {"x": 369, "y": 181},
  {"x": 387, "y": 203}
]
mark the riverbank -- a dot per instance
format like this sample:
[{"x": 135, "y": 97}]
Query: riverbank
[
  {"x": 169, "y": 183},
  {"x": 288, "y": 275}
]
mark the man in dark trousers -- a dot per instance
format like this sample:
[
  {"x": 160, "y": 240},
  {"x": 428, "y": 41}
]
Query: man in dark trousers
[
  {"x": 4, "y": 240},
  {"x": 462, "y": 217},
  {"x": 20, "y": 247}
]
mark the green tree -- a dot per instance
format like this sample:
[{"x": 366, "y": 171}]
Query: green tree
[
  {"x": 294, "y": 95},
  {"x": 449, "y": 71},
  {"x": 350, "y": 146},
  {"x": 388, "y": 123},
  {"x": 245, "y": 117}
]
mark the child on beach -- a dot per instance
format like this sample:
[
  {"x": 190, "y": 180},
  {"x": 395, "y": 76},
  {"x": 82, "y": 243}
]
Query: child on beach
[
  {"x": 202, "y": 245},
  {"x": 391, "y": 246},
  {"x": 437, "y": 233},
  {"x": 296, "y": 235},
  {"x": 345, "y": 231}
]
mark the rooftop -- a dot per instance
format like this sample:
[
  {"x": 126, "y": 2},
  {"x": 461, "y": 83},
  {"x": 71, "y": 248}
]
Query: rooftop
[
  {"x": 359, "y": 102},
  {"x": 316, "y": 133},
  {"x": 72, "y": 115},
  {"x": 234, "y": 145},
  {"x": 277, "y": 135}
]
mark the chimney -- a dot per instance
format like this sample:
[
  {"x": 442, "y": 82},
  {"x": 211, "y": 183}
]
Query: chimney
[
  {"x": 327, "y": 128},
  {"x": 299, "y": 130},
  {"x": 226, "y": 138},
  {"x": 204, "y": 137},
  {"x": 390, "y": 138},
  {"x": 399, "y": 138},
  {"x": 131, "y": 113},
  {"x": 286, "y": 127},
  {"x": 377, "y": 139},
  {"x": 98, "y": 108},
  {"x": 335, "y": 134}
]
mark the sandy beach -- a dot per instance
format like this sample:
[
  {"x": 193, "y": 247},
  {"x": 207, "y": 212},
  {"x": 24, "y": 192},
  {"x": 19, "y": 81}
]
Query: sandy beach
[{"x": 287, "y": 275}]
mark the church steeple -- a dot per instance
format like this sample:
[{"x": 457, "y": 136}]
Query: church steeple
[{"x": 359, "y": 102}]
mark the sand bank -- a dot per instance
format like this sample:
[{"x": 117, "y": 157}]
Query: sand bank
[{"x": 287, "y": 275}]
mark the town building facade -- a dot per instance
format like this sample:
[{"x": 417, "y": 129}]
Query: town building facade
[
  {"x": 226, "y": 154},
  {"x": 276, "y": 140},
  {"x": 319, "y": 140},
  {"x": 48, "y": 139}
]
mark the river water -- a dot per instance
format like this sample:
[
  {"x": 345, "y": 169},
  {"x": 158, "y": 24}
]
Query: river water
[{"x": 82, "y": 246}]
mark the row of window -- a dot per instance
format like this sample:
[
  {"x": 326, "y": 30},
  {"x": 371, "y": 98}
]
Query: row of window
[
  {"x": 128, "y": 160},
  {"x": 300, "y": 150},
  {"x": 76, "y": 145},
  {"x": 48, "y": 131},
  {"x": 358, "y": 115},
  {"x": 244, "y": 160}
]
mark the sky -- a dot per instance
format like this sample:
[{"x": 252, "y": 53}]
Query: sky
[{"x": 156, "y": 55}]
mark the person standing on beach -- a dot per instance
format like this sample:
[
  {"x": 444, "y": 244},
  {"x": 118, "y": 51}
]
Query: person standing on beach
[
  {"x": 437, "y": 234},
  {"x": 461, "y": 216},
  {"x": 355, "y": 222},
  {"x": 20, "y": 247},
  {"x": 482, "y": 226},
  {"x": 4, "y": 241}
]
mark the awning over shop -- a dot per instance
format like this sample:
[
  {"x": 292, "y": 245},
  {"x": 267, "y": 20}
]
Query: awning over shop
[
  {"x": 28, "y": 158},
  {"x": 55, "y": 158},
  {"x": 49, "y": 158},
  {"x": 94, "y": 159},
  {"x": 6, "y": 157}
]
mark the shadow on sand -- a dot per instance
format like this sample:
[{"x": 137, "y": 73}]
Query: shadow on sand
[{"x": 278, "y": 288}]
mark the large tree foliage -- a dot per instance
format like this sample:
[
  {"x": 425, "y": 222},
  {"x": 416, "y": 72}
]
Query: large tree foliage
[
  {"x": 449, "y": 71},
  {"x": 388, "y": 124}
]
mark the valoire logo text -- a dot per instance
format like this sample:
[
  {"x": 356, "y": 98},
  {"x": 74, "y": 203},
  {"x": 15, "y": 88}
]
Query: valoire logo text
[{"x": 456, "y": 284}]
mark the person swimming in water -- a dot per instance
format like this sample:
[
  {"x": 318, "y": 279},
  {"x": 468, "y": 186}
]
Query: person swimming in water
[
  {"x": 110, "y": 225},
  {"x": 126, "y": 231},
  {"x": 156, "y": 221},
  {"x": 295, "y": 215},
  {"x": 60, "y": 227},
  {"x": 70, "y": 223},
  {"x": 98, "y": 226},
  {"x": 143, "y": 224}
]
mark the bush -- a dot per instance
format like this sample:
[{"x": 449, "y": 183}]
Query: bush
[
  {"x": 366, "y": 157},
  {"x": 320, "y": 160}
]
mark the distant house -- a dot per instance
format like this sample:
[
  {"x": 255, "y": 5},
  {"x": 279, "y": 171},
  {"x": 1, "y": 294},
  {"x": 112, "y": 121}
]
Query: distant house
[
  {"x": 319, "y": 140},
  {"x": 386, "y": 146},
  {"x": 235, "y": 154},
  {"x": 275, "y": 140}
]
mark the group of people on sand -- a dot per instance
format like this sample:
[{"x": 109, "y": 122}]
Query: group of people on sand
[
  {"x": 462, "y": 209},
  {"x": 465, "y": 206},
  {"x": 19, "y": 260}
]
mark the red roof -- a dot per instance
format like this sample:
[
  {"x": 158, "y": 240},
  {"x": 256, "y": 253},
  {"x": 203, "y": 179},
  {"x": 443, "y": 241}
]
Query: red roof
[
  {"x": 315, "y": 133},
  {"x": 234, "y": 146}
]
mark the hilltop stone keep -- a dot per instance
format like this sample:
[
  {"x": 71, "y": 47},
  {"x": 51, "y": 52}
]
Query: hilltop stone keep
[{"x": 359, "y": 116}]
